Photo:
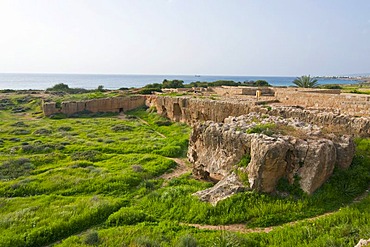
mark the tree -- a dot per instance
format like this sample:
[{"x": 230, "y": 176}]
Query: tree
[
  {"x": 261, "y": 83},
  {"x": 306, "y": 81},
  {"x": 101, "y": 88},
  {"x": 59, "y": 87},
  {"x": 172, "y": 84}
]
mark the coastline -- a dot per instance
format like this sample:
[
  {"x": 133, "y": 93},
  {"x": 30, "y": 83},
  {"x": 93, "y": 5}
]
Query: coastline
[{"x": 18, "y": 81}]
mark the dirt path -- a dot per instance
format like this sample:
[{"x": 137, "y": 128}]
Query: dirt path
[
  {"x": 182, "y": 167},
  {"x": 232, "y": 228}
]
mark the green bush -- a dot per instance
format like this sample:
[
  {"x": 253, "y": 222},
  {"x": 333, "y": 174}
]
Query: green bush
[
  {"x": 187, "y": 241},
  {"x": 42, "y": 131},
  {"x": 20, "y": 132},
  {"x": 244, "y": 161},
  {"x": 65, "y": 128},
  {"x": 90, "y": 155},
  {"x": 163, "y": 123},
  {"x": 266, "y": 129},
  {"x": 92, "y": 238},
  {"x": 15, "y": 168},
  {"x": 121, "y": 127},
  {"x": 144, "y": 241},
  {"x": 148, "y": 90}
]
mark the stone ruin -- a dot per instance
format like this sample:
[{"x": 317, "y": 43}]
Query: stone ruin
[
  {"x": 300, "y": 145},
  {"x": 275, "y": 147}
]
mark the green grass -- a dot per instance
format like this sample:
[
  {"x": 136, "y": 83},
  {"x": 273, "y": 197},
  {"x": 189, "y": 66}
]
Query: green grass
[
  {"x": 96, "y": 181},
  {"x": 342, "y": 228}
]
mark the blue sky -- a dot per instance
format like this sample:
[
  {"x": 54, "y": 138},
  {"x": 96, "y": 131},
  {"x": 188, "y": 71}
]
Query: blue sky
[{"x": 213, "y": 37}]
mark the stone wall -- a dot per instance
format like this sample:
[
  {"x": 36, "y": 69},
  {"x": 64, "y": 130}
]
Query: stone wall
[
  {"x": 351, "y": 104},
  {"x": 229, "y": 90},
  {"x": 116, "y": 104}
]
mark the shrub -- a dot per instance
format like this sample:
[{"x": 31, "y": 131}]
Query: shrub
[
  {"x": 20, "y": 132},
  {"x": 144, "y": 241},
  {"x": 58, "y": 116},
  {"x": 41, "y": 148},
  {"x": 19, "y": 124},
  {"x": 187, "y": 241},
  {"x": 61, "y": 87},
  {"x": 172, "y": 84},
  {"x": 121, "y": 127},
  {"x": 42, "y": 132},
  {"x": 137, "y": 168},
  {"x": 65, "y": 128},
  {"x": 91, "y": 238},
  {"x": 266, "y": 129},
  {"x": 15, "y": 168},
  {"x": 244, "y": 161},
  {"x": 149, "y": 90},
  {"x": 163, "y": 123},
  {"x": 331, "y": 86},
  {"x": 91, "y": 155},
  {"x": 261, "y": 83},
  {"x": 293, "y": 189}
]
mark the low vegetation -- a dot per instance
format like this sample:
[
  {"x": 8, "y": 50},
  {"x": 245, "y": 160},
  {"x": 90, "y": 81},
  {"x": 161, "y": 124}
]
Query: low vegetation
[
  {"x": 157, "y": 87},
  {"x": 96, "y": 181}
]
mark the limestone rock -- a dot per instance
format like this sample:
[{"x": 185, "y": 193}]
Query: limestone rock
[
  {"x": 216, "y": 148},
  {"x": 225, "y": 188},
  {"x": 363, "y": 242},
  {"x": 267, "y": 163},
  {"x": 193, "y": 110},
  {"x": 345, "y": 151},
  {"x": 318, "y": 164}
]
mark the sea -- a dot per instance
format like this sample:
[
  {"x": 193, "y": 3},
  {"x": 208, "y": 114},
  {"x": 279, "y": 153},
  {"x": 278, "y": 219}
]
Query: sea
[{"x": 22, "y": 81}]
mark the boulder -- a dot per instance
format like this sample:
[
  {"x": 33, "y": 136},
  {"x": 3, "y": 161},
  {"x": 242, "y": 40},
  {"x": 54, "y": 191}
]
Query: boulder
[
  {"x": 318, "y": 164},
  {"x": 267, "y": 163},
  {"x": 345, "y": 147},
  {"x": 225, "y": 188},
  {"x": 363, "y": 243}
]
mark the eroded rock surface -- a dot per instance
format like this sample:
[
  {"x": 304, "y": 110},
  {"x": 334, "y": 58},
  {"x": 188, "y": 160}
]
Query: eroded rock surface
[
  {"x": 363, "y": 242},
  {"x": 225, "y": 188},
  {"x": 280, "y": 148}
]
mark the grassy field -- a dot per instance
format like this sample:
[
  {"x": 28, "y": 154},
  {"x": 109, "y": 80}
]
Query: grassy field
[{"x": 96, "y": 181}]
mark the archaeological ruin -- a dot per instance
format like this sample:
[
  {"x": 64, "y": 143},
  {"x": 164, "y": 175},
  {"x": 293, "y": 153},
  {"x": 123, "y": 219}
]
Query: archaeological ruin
[{"x": 296, "y": 134}]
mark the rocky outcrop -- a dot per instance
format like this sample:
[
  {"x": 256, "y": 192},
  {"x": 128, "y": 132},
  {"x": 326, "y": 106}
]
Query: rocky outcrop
[
  {"x": 277, "y": 147},
  {"x": 192, "y": 110}
]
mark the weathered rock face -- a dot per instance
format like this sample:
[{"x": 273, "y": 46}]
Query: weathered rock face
[
  {"x": 216, "y": 148},
  {"x": 211, "y": 140},
  {"x": 363, "y": 243},
  {"x": 318, "y": 164},
  {"x": 225, "y": 188},
  {"x": 192, "y": 110},
  {"x": 267, "y": 163}
]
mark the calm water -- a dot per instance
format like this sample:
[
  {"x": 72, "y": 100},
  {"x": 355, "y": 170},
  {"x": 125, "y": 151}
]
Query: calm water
[{"x": 91, "y": 81}]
